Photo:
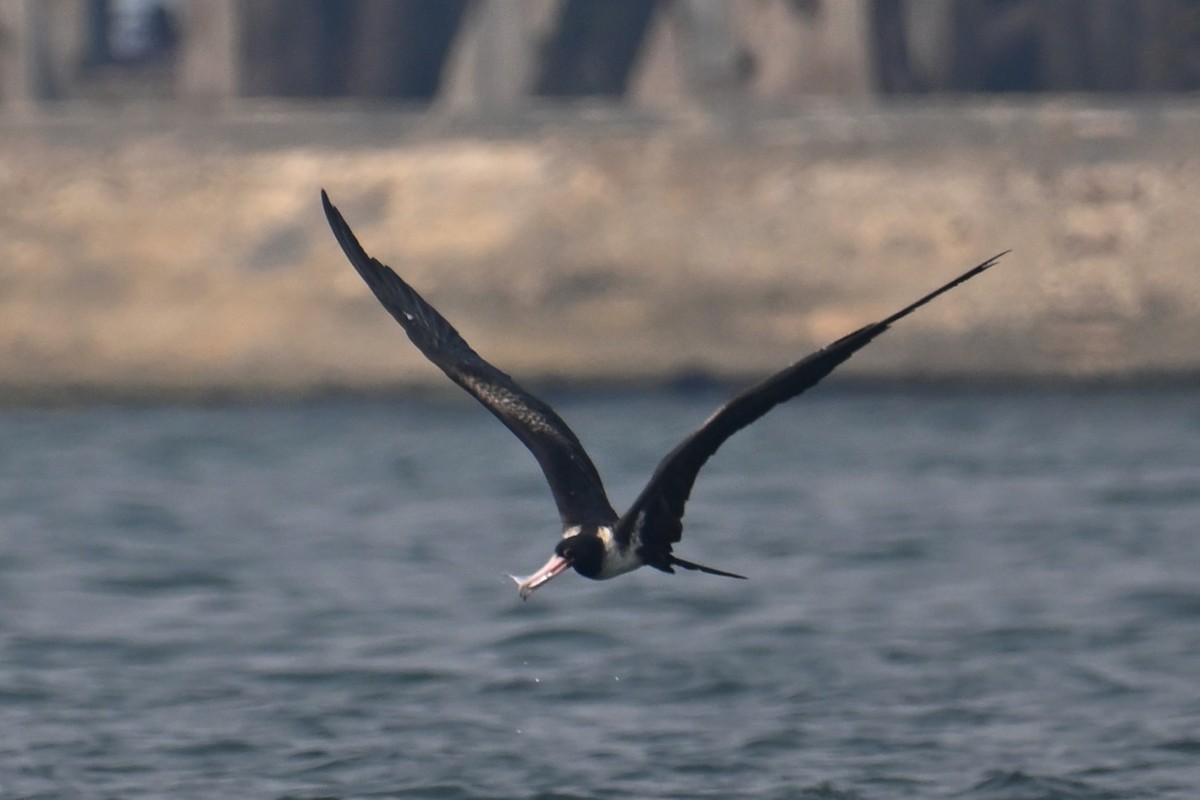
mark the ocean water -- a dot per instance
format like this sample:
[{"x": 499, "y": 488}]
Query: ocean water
[{"x": 974, "y": 594}]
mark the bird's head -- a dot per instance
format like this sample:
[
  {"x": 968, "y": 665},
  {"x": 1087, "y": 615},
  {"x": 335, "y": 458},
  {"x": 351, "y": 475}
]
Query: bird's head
[{"x": 583, "y": 551}]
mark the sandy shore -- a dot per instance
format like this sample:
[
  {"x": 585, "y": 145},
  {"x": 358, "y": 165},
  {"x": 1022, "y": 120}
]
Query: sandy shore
[{"x": 150, "y": 253}]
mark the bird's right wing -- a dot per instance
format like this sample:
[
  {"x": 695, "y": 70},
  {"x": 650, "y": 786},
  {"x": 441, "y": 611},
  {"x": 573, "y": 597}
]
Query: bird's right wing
[
  {"x": 656, "y": 518},
  {"x": 574, "y": 481}
]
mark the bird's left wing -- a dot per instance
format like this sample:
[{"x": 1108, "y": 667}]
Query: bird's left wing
[
  {"x": 574, "y": 481},
  {"x": 656, "y": 517}
]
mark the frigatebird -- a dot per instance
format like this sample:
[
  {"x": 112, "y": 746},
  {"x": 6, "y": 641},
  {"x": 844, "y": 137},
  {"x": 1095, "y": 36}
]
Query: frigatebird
[{"x": 596, "y": 541}]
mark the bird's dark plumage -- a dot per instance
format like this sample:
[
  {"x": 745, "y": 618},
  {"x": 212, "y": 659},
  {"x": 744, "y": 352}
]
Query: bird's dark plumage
[
  {"x": 660, "y": 506},
  {"x": 596, "y": 541},
  {"x": 573, "y": 478}
]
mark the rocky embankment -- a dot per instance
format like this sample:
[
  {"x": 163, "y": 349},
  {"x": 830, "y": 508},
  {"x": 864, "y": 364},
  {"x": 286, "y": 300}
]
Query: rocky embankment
[{"x": 149, "y": 254}]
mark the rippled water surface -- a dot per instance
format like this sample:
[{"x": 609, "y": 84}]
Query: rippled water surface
[{"x": 981, "y": 595}]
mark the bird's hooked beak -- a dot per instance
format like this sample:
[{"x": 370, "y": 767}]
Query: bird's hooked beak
[{"x": 554, "y": 566}]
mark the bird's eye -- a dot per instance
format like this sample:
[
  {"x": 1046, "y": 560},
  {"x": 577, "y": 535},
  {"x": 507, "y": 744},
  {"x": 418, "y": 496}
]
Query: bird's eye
[{"x": 568, "y": 553}]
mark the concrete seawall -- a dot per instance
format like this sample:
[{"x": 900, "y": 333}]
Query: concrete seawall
[{"x": 148, "y": 254}]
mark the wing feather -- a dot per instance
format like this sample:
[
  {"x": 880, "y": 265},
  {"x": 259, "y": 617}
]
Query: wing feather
[
  {"x": 574, "y": 481},
  {"x": 655, "y": 520}
]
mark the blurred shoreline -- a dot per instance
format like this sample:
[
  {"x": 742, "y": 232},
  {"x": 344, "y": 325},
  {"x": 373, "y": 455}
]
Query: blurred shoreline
[{"x": 151, "y": 254}]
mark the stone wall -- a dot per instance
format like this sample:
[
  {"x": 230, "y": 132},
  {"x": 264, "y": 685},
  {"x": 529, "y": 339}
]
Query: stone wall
[{"x": 153, "y": 253}]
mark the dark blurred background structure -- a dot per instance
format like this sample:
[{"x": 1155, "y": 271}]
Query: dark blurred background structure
[
  {"x": 497, "y": 54},
  {"x": 737, "y": 180}
]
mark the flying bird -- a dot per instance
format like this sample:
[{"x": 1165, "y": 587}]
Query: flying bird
[{"x": 596, "y": 541}]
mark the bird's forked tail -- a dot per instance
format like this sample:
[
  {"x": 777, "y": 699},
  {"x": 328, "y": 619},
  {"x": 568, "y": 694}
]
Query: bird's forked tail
[{"x": 679, "y": 562}]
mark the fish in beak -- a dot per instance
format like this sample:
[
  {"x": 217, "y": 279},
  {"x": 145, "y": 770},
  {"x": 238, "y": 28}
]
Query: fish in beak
[{"x": 554, "y": 566}]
